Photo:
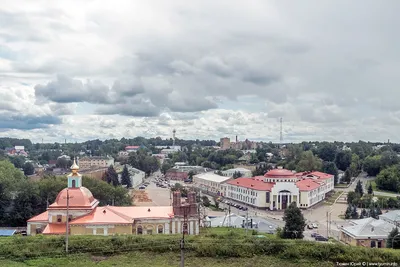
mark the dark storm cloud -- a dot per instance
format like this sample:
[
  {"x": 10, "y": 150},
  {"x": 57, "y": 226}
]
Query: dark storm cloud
[{"x": 27, "y": 122}]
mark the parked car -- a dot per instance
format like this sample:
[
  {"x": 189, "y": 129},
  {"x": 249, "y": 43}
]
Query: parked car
[
  {"x": 142, "y": 187},
  {"x": 314, "y": 225},
  {"x": 321, "y": 238},
  {"x": 314, "y": 234},
  {"x": 310, "y": 226}
]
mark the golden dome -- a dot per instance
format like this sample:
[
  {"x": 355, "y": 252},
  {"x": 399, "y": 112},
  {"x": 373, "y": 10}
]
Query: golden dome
[{"x": 74, "y": 167}]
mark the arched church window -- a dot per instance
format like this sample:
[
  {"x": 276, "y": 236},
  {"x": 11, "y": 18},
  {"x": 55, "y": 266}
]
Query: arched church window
[
  {"x": 160, "y": 229},
  {"x": 139, "y": 230},
  {"x": 73, "y": 183}
]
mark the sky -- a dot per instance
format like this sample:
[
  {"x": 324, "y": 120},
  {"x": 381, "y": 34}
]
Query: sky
[{"x": 87, "y": 69}]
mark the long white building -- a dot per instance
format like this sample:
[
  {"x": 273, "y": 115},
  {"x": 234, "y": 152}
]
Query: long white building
[
  {"x": 279, "y": 187},
  {"x": 244, "y": 172},
  {"x": 211, "y": 182}
]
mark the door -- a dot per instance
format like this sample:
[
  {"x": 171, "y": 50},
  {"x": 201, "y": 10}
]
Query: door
[{"x": 284, "y": 201}]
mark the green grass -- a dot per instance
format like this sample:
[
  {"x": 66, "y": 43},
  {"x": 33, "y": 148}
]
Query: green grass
[
  {"x": 213, "y": 247},
  {"x": 146, "y": 259},
  {"x": 375, "y": 188}
]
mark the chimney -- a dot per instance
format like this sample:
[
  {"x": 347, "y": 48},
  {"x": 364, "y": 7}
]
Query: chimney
[
  {"x": 176, "y": 201},
  {"x": 236, "y": 139}
]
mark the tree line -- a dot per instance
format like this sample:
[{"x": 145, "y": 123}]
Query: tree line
[{"x": 22, "y": 198}]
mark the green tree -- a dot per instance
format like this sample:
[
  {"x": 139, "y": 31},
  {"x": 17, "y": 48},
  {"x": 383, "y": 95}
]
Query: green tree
[
  {"x": 370, "y": 191},
  {"x": 327, "y": 151},
  {"x": 343, "y": 160},
  {"x": 363, "y": 214},
  {"x": 372, "y": 165},
  {"x": 359, "y": 188},
  {"x": 190, "y": 176},
  {"x": 355, "y": 166},
  {"x": 18, "y": 161},
  {"x": 165, "y": 166},
  {"x": 28, "y": 168},
  {"x": 330, "y": 167},
  {"x": 347, "y": 176},
  {"x": 206, "y": 201},
  {"x": 349, "y": 210},
  {"x": 308, "y": 162},
  {"x": 389, "y": 179},
  {"x": 353, "y": 198},
  {"x": 354, "y": 213},
  {"x": 393, "y": 240},
  {"x": 294, "y": 222},
  {"x": 237, "y": 174},
  {"x": 125, "y": 177},
  {"x": 389, "y": 158},
  {"x": 111, "y": 176}
]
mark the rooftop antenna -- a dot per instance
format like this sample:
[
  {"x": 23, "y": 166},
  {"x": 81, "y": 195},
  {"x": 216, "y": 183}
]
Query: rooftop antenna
[
  {"x": 173, "y": 137},
  {"x": 281, "y": 134}
]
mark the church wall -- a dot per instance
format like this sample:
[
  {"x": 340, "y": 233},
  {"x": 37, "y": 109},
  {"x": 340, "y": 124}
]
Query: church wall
[
  {"x": 77, "y": 230},
  {"x": 123, "y": 229}
]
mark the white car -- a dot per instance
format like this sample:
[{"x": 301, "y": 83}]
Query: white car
[{"x": 314, "y": 225}]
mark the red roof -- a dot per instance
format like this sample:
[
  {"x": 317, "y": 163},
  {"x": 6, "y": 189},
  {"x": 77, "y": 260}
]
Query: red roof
[
  {"x": 252, "y": 183},
  {"x": 280, "y": 173},
  {"x": 103, "y": 215},
  {"x": 307, "y": 185},
  {"x": 42, "y": 217},
  {"x": 54, "y": 229},
  {"x": 320, "y": 175},
  {"x": 124, "y": 215},
  {"x": 79, "y": 198}
]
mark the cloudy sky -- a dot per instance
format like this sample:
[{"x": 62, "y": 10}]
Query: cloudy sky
[{"x": 89, "y": 69}]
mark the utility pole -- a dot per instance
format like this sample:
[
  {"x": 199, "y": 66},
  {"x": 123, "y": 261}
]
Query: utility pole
[
  {"x": 247, "y": 218},
  {"x": 327, "y": 224},
  {"x": 67, "y": 224},
  {"x": 182, "y": 243}
]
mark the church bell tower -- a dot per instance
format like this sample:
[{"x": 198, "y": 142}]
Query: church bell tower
[{"x": 74, "y": 178}]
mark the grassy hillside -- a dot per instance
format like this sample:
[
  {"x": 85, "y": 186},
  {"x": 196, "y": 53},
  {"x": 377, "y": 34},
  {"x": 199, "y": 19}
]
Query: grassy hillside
[
  {"x": 215, "y": 247},
  {"x": 146, "y": 259}
]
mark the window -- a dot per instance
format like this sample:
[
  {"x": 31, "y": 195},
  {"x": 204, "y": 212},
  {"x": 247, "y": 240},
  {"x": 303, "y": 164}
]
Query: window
[
  {"x": 59, "y": 218},
  {"x": 69, "y": 218},
  {"x": 267, "y": 197},
  {"x": 160, "y": 229},
  {"x": 139, "y": 230},
  {"x": 73, "y": 183}
]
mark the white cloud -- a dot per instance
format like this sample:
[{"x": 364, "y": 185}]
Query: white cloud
[{"x": 329, "y": 69}]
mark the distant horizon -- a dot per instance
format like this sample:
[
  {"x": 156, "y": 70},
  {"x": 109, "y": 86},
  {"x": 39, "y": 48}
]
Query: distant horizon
[{"x": 232, "y": 140}]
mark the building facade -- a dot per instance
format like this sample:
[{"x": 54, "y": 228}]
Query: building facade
[
  {"x": 368, "y": 232},
  {"x": 244, "y": 172},
  {"x": 87, "y": 218},
  {"x": 225, "y": 143},
  {"x": 279, "y": 187},
  {"x": 88, "y": 163},
  {"x": 211, "y": 183}
]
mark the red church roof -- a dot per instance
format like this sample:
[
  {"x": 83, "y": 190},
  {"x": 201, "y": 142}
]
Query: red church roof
[
  {"x": 280, "y": 173},
  {"x": 54, "y": 229},
  {"x": 252, "y": 183},
  {"x": 79, "y": 198},
  {"x": 42, "y": 217}
]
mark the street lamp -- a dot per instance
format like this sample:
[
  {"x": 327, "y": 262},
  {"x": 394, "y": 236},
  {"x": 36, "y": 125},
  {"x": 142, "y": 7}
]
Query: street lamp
[{"x": 394, "y": 239}]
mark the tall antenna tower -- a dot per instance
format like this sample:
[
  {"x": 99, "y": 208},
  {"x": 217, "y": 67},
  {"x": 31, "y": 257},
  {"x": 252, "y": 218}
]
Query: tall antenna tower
[
  {"x": 280, "y": 132},
  {"x": 173, "y": 137}
]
